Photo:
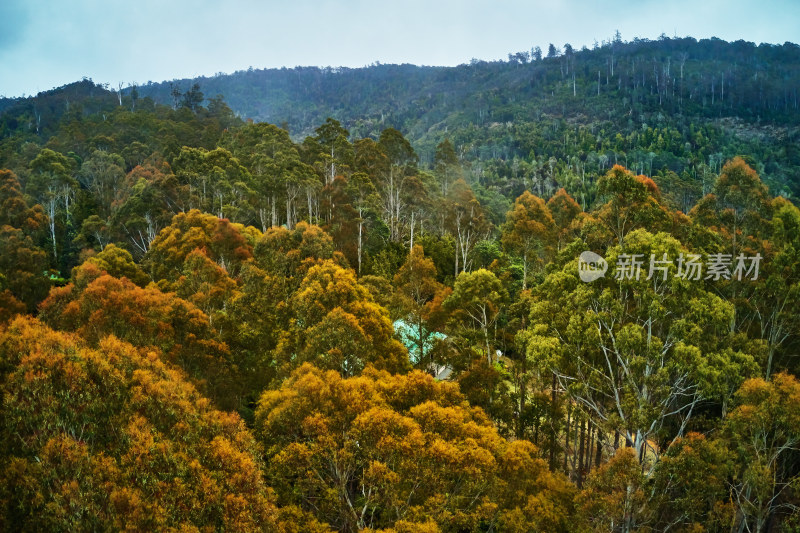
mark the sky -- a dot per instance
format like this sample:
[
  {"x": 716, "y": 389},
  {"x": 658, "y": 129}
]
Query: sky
[{"x": 49, "y": 43}]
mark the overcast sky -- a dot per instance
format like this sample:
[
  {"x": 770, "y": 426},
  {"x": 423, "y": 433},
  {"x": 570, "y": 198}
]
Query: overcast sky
[{"x": 48, "y": 43}]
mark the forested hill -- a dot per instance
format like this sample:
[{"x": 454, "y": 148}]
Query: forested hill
[
  {"x": 676, "y": 103},
  {"x": 675, "y": 109},
  {"x": 708, "y": 78}
]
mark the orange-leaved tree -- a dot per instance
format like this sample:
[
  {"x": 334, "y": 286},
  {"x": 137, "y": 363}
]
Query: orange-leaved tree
[
  {"x": 96, "y": 304},
  {"x": 381, "y": 450},
  {"x": 109, "y": 437},
  {"x": 337, "y": 325},
  {"x": 226, "y": 243}
]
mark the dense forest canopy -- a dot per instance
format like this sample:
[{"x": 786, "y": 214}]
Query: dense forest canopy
[{"x": 375, "y": 317}]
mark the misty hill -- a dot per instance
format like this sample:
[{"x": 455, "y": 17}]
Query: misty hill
[
  {"x": 747, "y": 94},
  {"x": 672, "y": 105}
]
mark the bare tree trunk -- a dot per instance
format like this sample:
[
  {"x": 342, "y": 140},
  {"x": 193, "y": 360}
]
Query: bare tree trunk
[
  {"x": 360, "y": 236},
  {"x": 552, "y": 422},
  {"x": 590, "y": 446},
  {"x": 581, "y": 451},
  {"x": 566, "y": 437},
  {"x": 412, "y": 231},
  {"x": 599, "y": 456}
]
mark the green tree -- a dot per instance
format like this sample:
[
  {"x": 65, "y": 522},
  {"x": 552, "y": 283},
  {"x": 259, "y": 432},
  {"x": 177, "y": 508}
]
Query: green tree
[
  {"x": 446, "y": 165},
  {"x": 402, "y": 164},
  {"x": 632, "y": 202},
  {"x": 102, "y": 173},
  {"x": 119, "y": 263},
  {"x": 416, "y": 299},
  {"x": 639, "y": 354},
  {"x": 529, "y": 231},
  {"x": 54, "y": 186},
  {"x": 764, "y": 433},
  {"x": 475, "y": 304},
  {"x": 217, "y": 181},
  {"x": 364, "y": 199},
  {"x": 336, "y": 325},
  {"x": 466, "y": 221}
]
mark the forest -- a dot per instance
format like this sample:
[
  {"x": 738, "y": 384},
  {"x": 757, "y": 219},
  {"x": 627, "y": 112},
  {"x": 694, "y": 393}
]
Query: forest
[
  {"x": 676, "y": 108},
  {"x": 215, "y": 323}
]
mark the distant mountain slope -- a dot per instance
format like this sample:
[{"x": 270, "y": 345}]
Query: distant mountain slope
[
  {"x": 746, "y": 94},
  {"x": 670, "y": 105},
  {"x": 708, "y": 78},
  {"x": 41, "y": 114}
]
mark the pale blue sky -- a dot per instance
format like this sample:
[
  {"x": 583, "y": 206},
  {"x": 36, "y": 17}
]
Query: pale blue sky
[{"x": 47, "y": 43}]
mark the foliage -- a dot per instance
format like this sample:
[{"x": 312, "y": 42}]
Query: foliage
[
  {"x": 215, "y": 261},
  {"x": 170, "y": 461},
  {"x": 374, "y": 450}
]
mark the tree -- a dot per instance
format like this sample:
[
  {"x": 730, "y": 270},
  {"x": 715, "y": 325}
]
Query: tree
[
  {"x": 217, "y": 181},
  {"x": 332, "y": 148},
  {"x": 14, "y": 210},
  {"x": 102, "y": 174},
  {"x": 402, "y": 163},
  {"x": 53, "y": 185},
  {"x": 336, "y": 325},
  {"x": 154, "y": 194},
  {"x": 764, "y": 433},
  {"x": 109, "y": 437},
  {"x": 415, "y": 298},
  {"x": 96, "y": 305},
  {"x": 119, "y": 263},
  {"x": 208, "y": 286},
  {"x": 639, "y": 354},
  {"x": 743, "y": 201},
  {"x": 475, "y": 304},
  {"x": 374, "y": 450},
  {"x": 23, "y": 268},
  {"x": 192, "y": 98},
  {"x": 632, "y": 202},
  {"x": 529, "y": 231},
  {"x": 467, "y": 223},
  {"x": 565, "y": 210},
  {"x": 768, "y": 309},
  {"x": 223, "y": 242},
  {"x": 23, "y": 265},
  {"x": 364, "y": 198},
  {"x": 690, "y": 486},
  {"x": 736, "y": 221},
  {"x": 615, "y": 498},
  {"x": 287, "y": 255},
  {"x": 446, "y": 165},
  {"x": 277, "y": 171}
]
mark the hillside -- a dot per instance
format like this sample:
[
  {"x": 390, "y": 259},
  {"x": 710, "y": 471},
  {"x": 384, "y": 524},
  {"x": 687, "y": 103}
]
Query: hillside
[
  {"x": 721, "y": 98},
  {"x": 677, "y": 106}
]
